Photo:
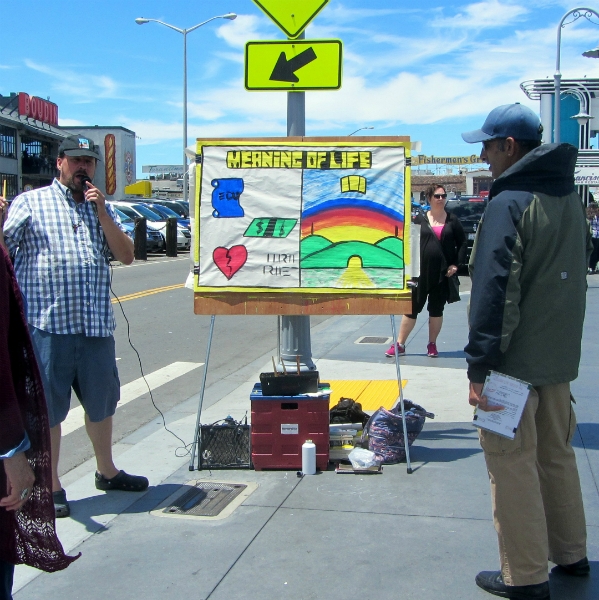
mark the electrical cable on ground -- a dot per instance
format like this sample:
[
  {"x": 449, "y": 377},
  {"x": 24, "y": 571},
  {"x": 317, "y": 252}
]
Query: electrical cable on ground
[{"x": 186, "y": 448}]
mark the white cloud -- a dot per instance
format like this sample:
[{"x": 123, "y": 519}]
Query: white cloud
[
  {"x": 157, "y": 132},
  {"x": 152, "y": 131},
  {"x": 79, "y": 85},
  {"x": 70, "y": 122},
  {"x": 407, "y": 99},
  {"x": 396, "y": 78},
  {"x": 236, "y": 57},
  {"x": 484, "y": 15},
  {"x": 341, "y": 14},
  {"x": 390, "y": 81},
  {"x": 236, "y": 33}
]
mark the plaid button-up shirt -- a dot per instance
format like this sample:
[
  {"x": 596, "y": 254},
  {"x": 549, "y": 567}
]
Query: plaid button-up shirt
[{"x": 60, "y": 259}]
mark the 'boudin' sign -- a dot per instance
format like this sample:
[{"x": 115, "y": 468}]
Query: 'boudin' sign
[{"x": 36, "y": 108}]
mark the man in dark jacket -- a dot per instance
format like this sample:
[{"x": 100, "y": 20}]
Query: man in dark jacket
[{"x": 528, "y": 270}]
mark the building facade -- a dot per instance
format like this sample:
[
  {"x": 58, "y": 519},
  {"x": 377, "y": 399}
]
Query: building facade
[
  {"x": 579, "y": 124},
  {"x": 29, "y": 140}
]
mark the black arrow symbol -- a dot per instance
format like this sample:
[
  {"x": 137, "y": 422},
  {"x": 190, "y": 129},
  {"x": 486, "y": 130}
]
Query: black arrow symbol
[{"x": 285, "y": 69}]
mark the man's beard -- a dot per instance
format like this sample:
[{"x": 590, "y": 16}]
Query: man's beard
[{"x": 74, "y": 182}]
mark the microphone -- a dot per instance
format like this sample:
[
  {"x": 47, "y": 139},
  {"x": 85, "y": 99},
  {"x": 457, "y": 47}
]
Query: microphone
[{"x": 84, "y": 181}]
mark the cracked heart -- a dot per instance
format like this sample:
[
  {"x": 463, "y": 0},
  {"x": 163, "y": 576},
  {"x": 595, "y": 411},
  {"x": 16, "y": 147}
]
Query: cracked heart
[{"x": 230, "y": 260}]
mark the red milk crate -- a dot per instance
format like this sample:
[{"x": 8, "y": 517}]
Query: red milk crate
[{"x": 281, "y": 424}]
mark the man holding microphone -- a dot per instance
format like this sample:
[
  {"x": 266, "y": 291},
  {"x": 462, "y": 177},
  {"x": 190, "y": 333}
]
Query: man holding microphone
[{"x": 59, "y": 237}]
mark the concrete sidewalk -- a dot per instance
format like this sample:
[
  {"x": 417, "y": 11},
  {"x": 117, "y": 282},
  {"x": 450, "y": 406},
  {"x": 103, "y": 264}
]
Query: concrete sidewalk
[{"x": 422, "y": 536}]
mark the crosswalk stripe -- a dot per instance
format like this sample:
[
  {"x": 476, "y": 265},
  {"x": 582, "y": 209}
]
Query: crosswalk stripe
[{"x": 132, "y": 391}]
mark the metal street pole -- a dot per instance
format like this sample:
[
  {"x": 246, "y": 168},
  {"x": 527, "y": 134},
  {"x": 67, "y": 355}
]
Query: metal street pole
[
  {"x": 184, "y": 32},
  {"x": 576, "y": 13},
  {"x": 185, "y": 188},
  {"x": 295, "y": 330}
]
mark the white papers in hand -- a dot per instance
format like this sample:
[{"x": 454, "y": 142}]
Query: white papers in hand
[{"x": 511, "y": 393}]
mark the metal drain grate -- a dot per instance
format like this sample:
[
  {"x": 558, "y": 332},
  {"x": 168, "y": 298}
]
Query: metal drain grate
[
  {"x": 370, "y": 339},
  {"x": 205, "y": 499}
]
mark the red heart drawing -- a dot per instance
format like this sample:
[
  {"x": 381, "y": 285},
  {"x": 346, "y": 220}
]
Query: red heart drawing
[{"x": 230, "y": 260}]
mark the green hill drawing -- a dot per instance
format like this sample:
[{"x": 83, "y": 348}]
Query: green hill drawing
[
  {"x": 336, "y": 256},
  {"x": 312, "y": 244},
  {"x": 392, "y": 244}
]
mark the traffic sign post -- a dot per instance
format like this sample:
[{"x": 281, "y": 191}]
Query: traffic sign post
[
  {"x": 291, "y": 16},
  {"x": 294, "y": 65}
]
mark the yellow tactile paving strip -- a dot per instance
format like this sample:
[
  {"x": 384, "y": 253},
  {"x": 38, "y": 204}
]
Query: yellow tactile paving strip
[{"x": 371, "y": 394}]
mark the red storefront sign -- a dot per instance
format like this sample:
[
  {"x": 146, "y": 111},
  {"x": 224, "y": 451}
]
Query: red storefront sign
[{"x": 36, "y": 108}]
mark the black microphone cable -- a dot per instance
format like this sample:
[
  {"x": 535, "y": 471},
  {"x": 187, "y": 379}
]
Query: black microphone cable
[{"x": 186, "y": 447}]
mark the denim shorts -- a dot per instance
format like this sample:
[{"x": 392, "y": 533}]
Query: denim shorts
[{"x": 85, "y": 364}]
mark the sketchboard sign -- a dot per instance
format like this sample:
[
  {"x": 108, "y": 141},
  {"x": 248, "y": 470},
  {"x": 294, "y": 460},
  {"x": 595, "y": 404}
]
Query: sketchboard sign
[{"x": 303, "y": 218}]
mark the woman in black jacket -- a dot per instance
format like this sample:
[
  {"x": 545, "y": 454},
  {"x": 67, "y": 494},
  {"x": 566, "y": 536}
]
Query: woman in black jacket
[{"x": 442, "y": 250}]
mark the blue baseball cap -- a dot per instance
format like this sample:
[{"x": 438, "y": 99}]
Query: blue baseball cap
[{"x": 509, "y": 120}]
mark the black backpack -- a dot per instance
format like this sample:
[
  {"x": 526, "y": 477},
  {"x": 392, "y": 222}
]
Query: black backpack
[{"x": 348, "y": 411}]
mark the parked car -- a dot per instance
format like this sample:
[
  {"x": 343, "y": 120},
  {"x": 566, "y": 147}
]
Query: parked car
[
  {"x": 154, "y": 239},
  {"x": 167, "y": 213},
  {"x": 177, "y": 206},
  {"x": 469, "y": 210},
  {"x": 154, "y": 221},
  {"x": 419, "y": 209}
]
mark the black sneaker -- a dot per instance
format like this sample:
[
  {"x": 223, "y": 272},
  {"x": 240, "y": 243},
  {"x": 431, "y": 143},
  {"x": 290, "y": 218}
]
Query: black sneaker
[
  {"x": 61, "y": 506},
  {"x": 123, "y": 481},
  {"x": 580, "y": 568},
  {"x": 492, "y": 582}
]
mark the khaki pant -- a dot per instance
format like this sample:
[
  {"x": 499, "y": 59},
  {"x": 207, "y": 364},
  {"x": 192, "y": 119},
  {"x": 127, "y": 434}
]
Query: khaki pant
[{"x": 537, "y": 501}]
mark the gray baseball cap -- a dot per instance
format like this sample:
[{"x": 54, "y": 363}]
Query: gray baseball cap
[{"x": 79, "y": 145}]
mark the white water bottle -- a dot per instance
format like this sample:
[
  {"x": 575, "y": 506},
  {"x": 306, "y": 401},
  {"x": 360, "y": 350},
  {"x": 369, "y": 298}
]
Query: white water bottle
[{"x": 309, "y": 458}]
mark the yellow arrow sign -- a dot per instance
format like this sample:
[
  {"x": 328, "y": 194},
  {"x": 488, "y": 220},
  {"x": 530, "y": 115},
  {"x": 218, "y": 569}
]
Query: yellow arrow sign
[
  {"x": 291, "y": 16},
  {"x": 293, "y": 65}
]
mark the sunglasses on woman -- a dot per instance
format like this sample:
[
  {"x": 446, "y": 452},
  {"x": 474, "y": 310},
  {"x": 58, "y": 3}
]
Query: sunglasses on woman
[{"x": 440, "y": 196}]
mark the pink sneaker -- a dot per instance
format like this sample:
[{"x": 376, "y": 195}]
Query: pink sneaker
[
  {"x": 431, "y": 350},
  {"x": 401, "y": 350}
]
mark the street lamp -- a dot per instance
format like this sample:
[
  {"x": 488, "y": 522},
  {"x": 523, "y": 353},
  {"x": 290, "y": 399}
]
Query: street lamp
[
  {"x": 356, "y": 131},
  {"x": 594, "y": 53},
  {"x": 143, "y": 21},
  {"x": 576, "y": 13},
  {"x": 583, "y": 116}
]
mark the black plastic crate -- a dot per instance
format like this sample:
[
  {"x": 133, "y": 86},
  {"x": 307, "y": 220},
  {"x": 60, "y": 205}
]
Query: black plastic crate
[
  {"x": 224, "y": 446},
  {"x": 291, "y": 384}
]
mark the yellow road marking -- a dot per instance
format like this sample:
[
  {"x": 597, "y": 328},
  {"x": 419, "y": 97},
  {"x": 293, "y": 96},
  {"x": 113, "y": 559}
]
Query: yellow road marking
[
  {"x": 147, "y": 293},
  {"x": 371, "y": 394}
]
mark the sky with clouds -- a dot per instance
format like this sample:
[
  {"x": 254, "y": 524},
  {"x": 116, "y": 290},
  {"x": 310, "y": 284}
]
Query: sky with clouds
[{"x": 429, "y": 70}]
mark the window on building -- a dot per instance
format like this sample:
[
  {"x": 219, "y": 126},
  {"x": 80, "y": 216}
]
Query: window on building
[
  {"x": 30, "y": 146},
  {"x": 36, "y": 157},
  {"x": 11, "y": 185},
  {"x": 8, "y": 141}
]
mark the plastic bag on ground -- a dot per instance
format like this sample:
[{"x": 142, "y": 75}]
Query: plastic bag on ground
[{"x": 362, "y": 459}]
